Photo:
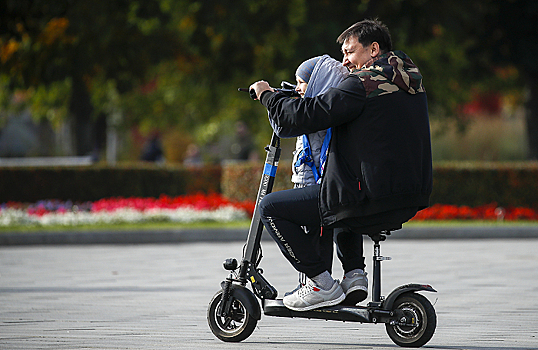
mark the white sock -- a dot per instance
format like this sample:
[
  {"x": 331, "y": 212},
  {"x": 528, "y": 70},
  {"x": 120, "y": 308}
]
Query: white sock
[{"x": 324, "y": 280}]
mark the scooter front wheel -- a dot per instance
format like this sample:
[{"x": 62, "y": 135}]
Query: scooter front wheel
[
  {"x": 238, "y": 325},
  {"x": 415, "y": 321}
]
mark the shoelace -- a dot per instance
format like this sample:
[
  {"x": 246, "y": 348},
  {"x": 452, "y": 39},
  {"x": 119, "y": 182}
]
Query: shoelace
[{"x": 306, "y": 289}]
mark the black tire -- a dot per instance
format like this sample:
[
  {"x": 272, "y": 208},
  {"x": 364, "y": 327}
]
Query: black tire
[
  {"x": 235, "y": 328},
  {"x": 412, "y": 308}
]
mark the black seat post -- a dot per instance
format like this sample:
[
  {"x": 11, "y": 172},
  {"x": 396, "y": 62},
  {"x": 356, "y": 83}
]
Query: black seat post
[{"x": 377, "y": 258}]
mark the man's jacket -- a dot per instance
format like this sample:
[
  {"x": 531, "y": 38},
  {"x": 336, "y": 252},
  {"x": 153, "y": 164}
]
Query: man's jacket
[{"x": 380, "y": 152}]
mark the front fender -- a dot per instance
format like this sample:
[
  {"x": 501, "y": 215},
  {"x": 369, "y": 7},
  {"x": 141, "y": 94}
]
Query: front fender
[
  {"x": 389, "y": 300},
  {"x": 247, "y": 298}
]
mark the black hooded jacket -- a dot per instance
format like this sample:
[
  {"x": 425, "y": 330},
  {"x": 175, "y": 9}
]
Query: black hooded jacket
[{"x": 380, "y": 153}]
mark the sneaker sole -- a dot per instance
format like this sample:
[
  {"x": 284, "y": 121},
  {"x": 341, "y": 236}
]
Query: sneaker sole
[
  {"x": 355, "y": 295},
  {"x": 319, "y": 305}
]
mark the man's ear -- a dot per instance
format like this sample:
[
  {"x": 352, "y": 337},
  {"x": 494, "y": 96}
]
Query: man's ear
[{"x": 374, "y": 49}]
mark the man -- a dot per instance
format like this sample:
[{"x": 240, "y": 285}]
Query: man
[{"x": 378, "y": 171}]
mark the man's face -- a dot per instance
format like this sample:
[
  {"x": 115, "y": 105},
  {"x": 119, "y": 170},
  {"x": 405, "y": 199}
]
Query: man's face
[{"x": 355, "y": 55}]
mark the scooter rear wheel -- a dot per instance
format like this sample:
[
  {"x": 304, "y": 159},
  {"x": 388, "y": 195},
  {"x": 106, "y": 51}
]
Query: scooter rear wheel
[
  {"x": 235, "y": 327},
  {"x": 415, "y": 321}
]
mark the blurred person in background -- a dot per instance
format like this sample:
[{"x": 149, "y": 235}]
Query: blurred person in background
[
  {"x": 193, "y": 157},
  {"x": 153, "y": 151}
]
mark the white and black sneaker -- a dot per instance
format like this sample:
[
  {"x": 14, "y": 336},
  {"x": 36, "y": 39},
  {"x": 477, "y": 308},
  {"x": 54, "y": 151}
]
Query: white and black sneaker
[
  {"x": 302, "y": 282},
  {"x": 310, "y": 297},
  {"x": 299, "y": 286}
]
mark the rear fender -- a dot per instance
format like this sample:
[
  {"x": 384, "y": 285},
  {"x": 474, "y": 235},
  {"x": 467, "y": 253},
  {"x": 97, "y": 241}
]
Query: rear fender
[{"x": 391, "y": 298}]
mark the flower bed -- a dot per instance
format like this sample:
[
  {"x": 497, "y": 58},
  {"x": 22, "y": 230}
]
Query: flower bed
[
  {"x": 181, "y": 209},
  {"x": 200, "y": 208},
  {"x": 485, "y": 212}
]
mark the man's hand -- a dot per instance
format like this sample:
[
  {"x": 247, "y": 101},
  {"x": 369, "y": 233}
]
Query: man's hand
[{"x": 259, "y": 87}]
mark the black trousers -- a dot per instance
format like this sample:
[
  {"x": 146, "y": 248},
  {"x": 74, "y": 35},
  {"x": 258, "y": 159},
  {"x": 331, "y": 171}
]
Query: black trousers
[{"x": 286, "y": 213}]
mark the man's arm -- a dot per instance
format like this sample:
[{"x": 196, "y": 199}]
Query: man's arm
[{"x": 294, "y": 117}]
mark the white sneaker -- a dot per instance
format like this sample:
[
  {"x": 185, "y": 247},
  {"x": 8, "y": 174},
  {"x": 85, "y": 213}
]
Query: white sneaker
[
  {"x": 299, "y": 286},
  {"x": 355, "y": 288},
  {"x": 310, "y": 297},
  {"x": 302, "y": 282}
]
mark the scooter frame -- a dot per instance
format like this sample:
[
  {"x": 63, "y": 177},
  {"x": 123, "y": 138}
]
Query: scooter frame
[{"x": 401, "y": 325}]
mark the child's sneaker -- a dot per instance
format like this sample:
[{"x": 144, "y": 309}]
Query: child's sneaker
[{"x": 310, "y": 297}]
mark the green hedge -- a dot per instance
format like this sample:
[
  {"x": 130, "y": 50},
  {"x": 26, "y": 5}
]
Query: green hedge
[
  {"x": 96, "y": 182},
  {"x": 472, "y": 184},
  {"x": 241, "y": 181}
]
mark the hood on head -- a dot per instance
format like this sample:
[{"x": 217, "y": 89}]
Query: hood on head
[{"x": 390, "y": 72}]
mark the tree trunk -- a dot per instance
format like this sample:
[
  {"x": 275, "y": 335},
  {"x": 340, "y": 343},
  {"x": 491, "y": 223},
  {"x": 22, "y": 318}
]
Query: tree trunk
[{"x": 532, "y": 117}]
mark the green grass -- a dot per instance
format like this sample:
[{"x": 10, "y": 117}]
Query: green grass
[
  {"x": 126, "y": 227},
  {"x": 238, "y": 224},
  {"x": 466, "y": 223}
]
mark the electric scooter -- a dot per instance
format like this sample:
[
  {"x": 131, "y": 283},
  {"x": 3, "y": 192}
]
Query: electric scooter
[{"x": 234, "y": 311}]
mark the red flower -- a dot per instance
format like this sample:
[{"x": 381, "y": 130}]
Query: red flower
[
  {"x": 213, "y": 201},
  {"x": 486, "y": 212},
  {"x": 198, "y": 201}
]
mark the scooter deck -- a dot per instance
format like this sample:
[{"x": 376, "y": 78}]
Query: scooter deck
[{"x": 337, "y": 313}]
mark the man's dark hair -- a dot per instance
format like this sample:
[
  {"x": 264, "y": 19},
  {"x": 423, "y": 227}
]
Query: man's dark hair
[{"x": 367, "y": 31}]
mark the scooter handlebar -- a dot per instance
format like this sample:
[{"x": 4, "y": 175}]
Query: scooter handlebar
[
  {"x": 287, "y": 88},
  {"x": 251, "y": 92}
]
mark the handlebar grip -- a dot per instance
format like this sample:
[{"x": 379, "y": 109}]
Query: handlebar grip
[
  {"x": 252, "y": 93},
  {"x": 288, "y": 92}
]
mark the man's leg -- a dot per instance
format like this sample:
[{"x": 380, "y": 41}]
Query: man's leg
[
  {"x": 350, "y": 249},
  {"x": 326, "y": 247},
  {"x": 284, "y": 213}
]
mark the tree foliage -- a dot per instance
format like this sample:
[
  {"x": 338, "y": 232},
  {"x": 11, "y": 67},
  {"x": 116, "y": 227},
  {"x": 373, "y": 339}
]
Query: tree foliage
[
  {"x": 81, "y": 42},
  {"x": 178, "y": 63}
]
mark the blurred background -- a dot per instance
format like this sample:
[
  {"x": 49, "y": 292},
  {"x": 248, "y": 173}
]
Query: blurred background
[{"x": 156, "y": 80}]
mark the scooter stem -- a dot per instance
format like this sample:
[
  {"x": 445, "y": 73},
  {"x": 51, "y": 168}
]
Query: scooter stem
[{"x": 266, "y": 186}]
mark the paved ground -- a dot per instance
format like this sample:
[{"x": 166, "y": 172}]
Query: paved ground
[
  {"x": 155, "y": 296},
  {"x": 182, "y": 235}
]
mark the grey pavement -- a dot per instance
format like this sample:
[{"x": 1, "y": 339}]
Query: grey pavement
[
  {"x": 181, "y": 235},
  {"x": 155, "y": 296}
]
